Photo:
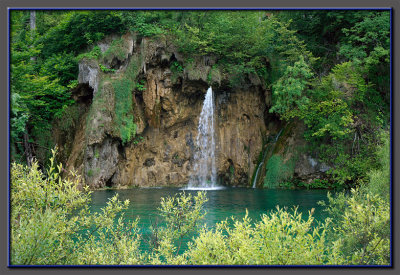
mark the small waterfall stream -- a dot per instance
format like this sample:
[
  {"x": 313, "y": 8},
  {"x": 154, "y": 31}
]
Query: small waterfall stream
[
  {"x": 204, "y": 173},
  {"x": 258, "y": 169},
  {"x": 265, "y": 153}
]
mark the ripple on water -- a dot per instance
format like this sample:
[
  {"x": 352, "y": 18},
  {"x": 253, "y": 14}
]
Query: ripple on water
[{"x": 204, "y": 188}]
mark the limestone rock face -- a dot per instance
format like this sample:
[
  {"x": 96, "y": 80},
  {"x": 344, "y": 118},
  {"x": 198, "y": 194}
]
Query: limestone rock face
[
  {"x": 307, "y": 168},
  {"x": 89, "y": 72},
  {"x": 240, "y": 126},
  {"x": 162, "y": 158},
  {"x": 167, "y": 101},
  {"x": 101, "y": 119},
  {"x": 100, "y": 162}
]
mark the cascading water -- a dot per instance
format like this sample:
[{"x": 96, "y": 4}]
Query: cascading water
[
  {"x": 204, "y": 174},
  {"x": 256, "y": 176},
  {"x": 263, "y": 158}
]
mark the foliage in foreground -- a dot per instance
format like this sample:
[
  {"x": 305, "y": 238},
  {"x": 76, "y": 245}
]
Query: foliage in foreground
[{"x": 51, "y": 224}]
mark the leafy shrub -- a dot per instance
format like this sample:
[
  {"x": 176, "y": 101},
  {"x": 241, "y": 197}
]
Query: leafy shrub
[
  {"x": 104, "y": 69},
  {"x": 51, "y": 223},
  {"x": 280, "y": 238},
  {"x": 182, "y": 214},
  {"x": 176, "y": 67},
  {"x": 290, "y": 91},
  {"x": 319, "y": 184},
  {"x": 137, "y": 140},
  {"x": 61, "y": 66},
  {"x": 140, "y": 86},
  {"x": 79, "y": 29},
  {"x": 95, "y": 53},
  {"x": 379, "y": 179},
  {"x": 361, "y": 229},
  {"x": 143, "y": 22},
  {"x": 18, "y": 121},
  {"x": 287, "y": 185}
]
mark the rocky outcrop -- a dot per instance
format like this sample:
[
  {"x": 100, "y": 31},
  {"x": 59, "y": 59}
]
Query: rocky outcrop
[
  {"x": 308, "y": 169},
  {"x": 164, "y": 101},
  {"x": 89, "y": 72},
  {"x": 101, "y": 161},
  {"x": 240, "y": 128}
]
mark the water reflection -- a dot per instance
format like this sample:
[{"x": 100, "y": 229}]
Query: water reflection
[{"x": 221, "y": 204}]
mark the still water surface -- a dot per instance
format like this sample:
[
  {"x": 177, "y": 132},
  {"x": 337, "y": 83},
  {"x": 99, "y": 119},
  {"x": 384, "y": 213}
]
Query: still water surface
[{"x": 221, "y": 204}]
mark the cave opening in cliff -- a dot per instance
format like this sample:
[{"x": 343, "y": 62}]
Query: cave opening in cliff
[
  {"x": 83, "y": 93},
  {"x": 109, "y": 182}
]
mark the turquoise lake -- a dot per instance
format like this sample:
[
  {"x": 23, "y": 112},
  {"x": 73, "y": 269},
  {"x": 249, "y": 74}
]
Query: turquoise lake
[{"x": 221, "y": 204}]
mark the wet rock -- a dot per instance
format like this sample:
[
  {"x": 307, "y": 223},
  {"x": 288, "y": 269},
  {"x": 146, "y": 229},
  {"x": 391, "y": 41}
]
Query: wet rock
[
  {"x": 178, "y": 161},
  {"x": 189, "y": 141}
]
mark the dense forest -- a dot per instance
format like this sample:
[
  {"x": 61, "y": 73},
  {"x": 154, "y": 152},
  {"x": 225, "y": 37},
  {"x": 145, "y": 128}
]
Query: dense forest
[{"x": 328, "y": 70}]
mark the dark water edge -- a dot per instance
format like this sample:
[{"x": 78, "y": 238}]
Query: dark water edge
[{"x": 221, "y": 204}]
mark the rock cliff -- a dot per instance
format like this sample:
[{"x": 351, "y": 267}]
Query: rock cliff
[{"x": 143, "y": 102}]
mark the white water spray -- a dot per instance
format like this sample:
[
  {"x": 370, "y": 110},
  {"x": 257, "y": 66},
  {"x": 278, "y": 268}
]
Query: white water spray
[{"x": 204, "y": 174}]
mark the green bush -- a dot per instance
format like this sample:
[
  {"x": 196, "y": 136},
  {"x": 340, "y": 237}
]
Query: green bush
[
  {"x": 51, "y": 223},
  {"x": 290, "y": 91},
  {"x": 181, "y": 214},
  {"x": 104, "y": 69},
  {"x": 361, "y": 219},
  {"x": 360, "y": 232},
  {"x": 144, "y": 22},
  {"x": 95, "y": 54},
  {"x": 62, "y": 67},
  {"x": 141, "y": 86},
  {"x": 379, "y": 179},
  {"x": 79, "y": 29},
  {"x": 280, "y": 238}
]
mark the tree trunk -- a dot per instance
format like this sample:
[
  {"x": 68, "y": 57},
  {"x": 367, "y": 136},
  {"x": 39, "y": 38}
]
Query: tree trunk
[
  {"x": 32, "y": 20},
  {"x": 32, "y": 24},
  {"x": 28, "y": 148}
]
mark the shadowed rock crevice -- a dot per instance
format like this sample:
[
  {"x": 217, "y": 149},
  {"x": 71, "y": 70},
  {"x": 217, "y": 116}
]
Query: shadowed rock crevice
[{"x": 82, "y": 94}]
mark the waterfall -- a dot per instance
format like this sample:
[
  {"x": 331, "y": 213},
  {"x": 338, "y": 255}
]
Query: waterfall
[
  {"x": 256, "y": 176},
  {"x": 263, "y": 158},
  {"x": 204, "y": 173}
]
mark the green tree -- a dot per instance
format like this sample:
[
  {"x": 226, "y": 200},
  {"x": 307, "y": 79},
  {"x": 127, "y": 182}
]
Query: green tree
[{"x": 290, "y": 91}]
